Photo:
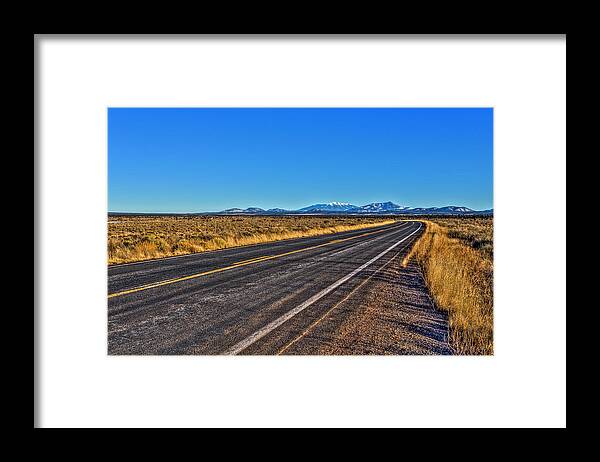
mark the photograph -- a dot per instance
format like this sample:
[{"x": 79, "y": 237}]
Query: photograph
[
  {"x": 296, "y": 231},
  {"x": 300, "y": 231}
]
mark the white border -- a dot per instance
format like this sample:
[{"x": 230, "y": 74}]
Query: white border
[{"x": 522, "y": 385}]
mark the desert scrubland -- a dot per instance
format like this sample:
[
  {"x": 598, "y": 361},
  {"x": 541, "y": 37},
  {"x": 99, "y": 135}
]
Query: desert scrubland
[
  {"x": 137, "y": 238},
  {"x": 456, "y": 256}
]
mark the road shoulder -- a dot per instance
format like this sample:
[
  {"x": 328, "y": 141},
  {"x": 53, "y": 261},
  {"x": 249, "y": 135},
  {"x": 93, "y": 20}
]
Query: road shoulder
[{"x": 392, "y": 313}]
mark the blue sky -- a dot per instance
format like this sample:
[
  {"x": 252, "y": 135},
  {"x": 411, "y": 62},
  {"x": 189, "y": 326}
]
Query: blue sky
[{"x": 196, "y": 159}]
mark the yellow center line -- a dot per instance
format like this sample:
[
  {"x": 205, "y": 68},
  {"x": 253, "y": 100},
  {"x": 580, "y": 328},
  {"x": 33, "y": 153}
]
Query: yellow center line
[
  {"x": 252, "y": 260},
  {"x": 236, "y": 265}
]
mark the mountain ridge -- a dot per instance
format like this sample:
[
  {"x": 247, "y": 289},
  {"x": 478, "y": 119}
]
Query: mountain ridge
[{"x": 373, "y": 208}]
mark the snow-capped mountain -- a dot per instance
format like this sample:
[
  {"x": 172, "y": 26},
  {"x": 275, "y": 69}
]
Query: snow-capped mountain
[
  {"x": 376, "y": 208},
  {"x": 249, "y": 210},
  {"x": 454, "y": 208},
  {"x": 449, "y": 209},
  {"x": 234, "y": 210},
  {"x": 330, "y": 207}
]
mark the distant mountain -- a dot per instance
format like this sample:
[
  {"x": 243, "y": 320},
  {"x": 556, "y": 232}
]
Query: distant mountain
[
  {"x": 331, "y": 207},
  {"x": 277, "y": 210},
  {"x": 378, "y": 207},
  {"x": 375, "y": 208},
  {"x": 455, "y": 209},
  {"x": 249, "y": 210},
  {"x": 449, "y": 209},
  {"x": 232, "y": 211}
]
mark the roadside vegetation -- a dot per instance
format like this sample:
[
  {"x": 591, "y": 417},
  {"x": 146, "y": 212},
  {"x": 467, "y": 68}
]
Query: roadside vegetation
[
  {"x": 456, "y": 256},
  {"x": 137, "y": 238}
]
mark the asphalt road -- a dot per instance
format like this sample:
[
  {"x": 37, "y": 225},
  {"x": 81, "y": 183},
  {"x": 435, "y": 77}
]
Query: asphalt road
[{"x": 258, "y": 299}]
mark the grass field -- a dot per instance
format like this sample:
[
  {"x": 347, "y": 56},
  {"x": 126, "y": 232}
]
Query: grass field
[
  {"x": 456, "y": 255},
  {"x": 137, "y": 238}
]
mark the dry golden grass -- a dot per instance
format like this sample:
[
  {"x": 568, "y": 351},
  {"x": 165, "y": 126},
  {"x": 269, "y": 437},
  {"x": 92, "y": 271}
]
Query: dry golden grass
[
  {"x": 456, "y": 255},
  {"x": 137, "y": 238}
]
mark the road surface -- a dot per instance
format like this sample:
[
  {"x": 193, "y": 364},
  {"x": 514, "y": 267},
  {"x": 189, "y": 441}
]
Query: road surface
[{"x": 300, "y": 296}]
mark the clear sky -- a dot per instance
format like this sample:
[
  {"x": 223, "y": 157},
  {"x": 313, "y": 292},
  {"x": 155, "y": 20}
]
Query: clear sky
[{"x": 198, "y": 160}]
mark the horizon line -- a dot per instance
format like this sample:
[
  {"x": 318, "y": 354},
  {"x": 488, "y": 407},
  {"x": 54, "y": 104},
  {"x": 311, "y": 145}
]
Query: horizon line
[
  {"x": 284, "y": 209},
  {"x": 310, "y": 205}
]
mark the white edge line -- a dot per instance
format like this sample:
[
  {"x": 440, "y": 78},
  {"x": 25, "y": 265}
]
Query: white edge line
[{"x": 238, "y": 347}]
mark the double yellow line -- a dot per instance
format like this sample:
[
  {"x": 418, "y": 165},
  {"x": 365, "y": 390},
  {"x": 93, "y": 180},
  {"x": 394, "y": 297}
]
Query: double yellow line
[{"x": 236, "y": 265}]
